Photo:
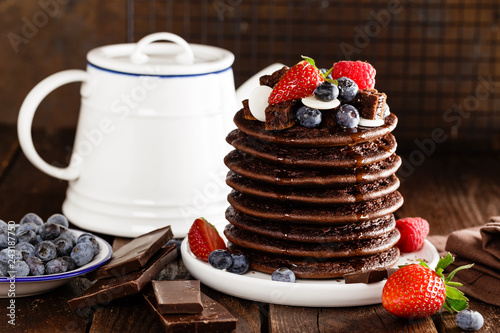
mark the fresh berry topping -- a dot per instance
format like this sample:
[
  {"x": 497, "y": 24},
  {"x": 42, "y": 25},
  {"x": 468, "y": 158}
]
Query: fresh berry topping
[
  {"x": 36, "y": 266},
  {"x": 27, "y": 250},
  {"x": 56, "y": 266},
  {"x": 469, "y": 320},
  {"x": 50, "y": 231},
  {"x": 361, "y": 72},
  {"x": 82, "y": 253},
  {"x": 203, "y": 238},
  {"x": 326, "y": 91},
  {"x": 347, "y": 116},
  {"x": 58, "y": 219},
  {"x": 220, "y": 259},
  {"x": 31, "y": 217},
  {"x": 308, "y": 117},
  {"x": 240, "y": 264},
  {"x": 347, "y": 89},
  {"x": 283, "y": 274},
  {"x": 298, "y": 82},
  {"x": 327, "y": 73},
  {"x": 21, "y": 269},
  {"x": 416, "y": 291},
  {"x": 46, "y": 250},
  {"x": 413, "y": 232}
]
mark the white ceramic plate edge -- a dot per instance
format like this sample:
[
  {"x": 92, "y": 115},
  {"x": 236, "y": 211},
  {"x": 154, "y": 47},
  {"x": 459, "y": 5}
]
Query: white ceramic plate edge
[{"x": 257, "y": 286}]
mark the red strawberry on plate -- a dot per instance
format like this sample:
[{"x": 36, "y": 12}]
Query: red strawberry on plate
[
  {"x": 298, "y": 82},
  {"x": 413, "y": 232},
  {"x": 359, "y": 71},
  {"x": 203, "y": 238},
  {"x": 416, "y": 291}
]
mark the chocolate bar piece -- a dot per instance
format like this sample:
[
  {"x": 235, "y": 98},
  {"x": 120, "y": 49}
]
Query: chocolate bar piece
[
  {"x": 271, "y": 80},
  {"x": 213, "y": 318},
  {"x": 108, "y": 289},
  {"x": 371, "y": 276},
  {"x": 133, "y": 255},
  {"x": 370, "y": 104},
  {"x": 180, "y": 296}
]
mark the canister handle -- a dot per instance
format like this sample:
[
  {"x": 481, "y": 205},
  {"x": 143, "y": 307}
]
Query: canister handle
[{"x": 139, "y": 57}]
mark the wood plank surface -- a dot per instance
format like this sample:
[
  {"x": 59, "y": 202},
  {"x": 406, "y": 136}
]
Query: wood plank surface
[{"x": 451, "y": 191}]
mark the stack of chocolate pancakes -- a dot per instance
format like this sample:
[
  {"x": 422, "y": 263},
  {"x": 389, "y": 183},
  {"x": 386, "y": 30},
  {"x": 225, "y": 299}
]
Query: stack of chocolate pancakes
[{"x": 318, "y": 201}]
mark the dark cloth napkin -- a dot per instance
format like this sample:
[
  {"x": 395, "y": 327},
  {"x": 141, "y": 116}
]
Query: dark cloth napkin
[{"x": 479, "y": 245}]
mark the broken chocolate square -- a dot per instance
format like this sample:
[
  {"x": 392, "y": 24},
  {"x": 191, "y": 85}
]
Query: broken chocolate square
[
  {"x": 369, "y": 276},
  {"x": 133, "y": 255},
  {"x": 108, "y": 289},
  {"x": 179, "y": 296},
  {"x": 247, "y": 114},
  {"x": 213, "y": 318}
]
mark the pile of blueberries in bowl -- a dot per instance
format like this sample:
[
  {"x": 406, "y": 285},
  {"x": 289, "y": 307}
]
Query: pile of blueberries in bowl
[{"x": 35, "y": 248}]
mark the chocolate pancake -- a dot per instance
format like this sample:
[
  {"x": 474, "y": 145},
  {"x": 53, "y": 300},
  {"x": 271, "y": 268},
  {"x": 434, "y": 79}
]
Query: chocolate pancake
[
  {"x": 312, "y": 233},
  {"x": 316, "y": 137},
  {"x": 249, "y": 240},
  {"x": 318, "y": 268},
  {"x": 257, "y": 169},
  {"x": 349, "y": 156},
  {"x": 326, "y": 195},
  {"x": 315, "y": 214}
]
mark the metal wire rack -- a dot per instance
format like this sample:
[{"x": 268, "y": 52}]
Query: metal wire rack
[{"x": 438, "y": 61}]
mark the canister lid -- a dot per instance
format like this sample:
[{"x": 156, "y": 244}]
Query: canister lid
[{"x": 148, "y": 58}]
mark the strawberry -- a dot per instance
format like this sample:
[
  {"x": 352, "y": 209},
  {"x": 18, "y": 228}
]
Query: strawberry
[
  {"x": 203, "y": 238},
  {"x": 298, "y": 82},
  {"x": 413, "y": 232},
  {"x": 360, "y": 72},
  {"x": 416, "y": 291}
]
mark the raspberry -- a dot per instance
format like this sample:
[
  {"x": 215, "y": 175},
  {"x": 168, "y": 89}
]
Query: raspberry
[
  {"x": 360, "y": 72},
  {"x": 413, "y": 232}
]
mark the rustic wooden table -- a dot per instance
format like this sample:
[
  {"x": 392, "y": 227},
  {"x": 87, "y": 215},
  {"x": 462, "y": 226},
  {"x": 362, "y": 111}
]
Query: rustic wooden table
[{"x": 451, "y": 191}]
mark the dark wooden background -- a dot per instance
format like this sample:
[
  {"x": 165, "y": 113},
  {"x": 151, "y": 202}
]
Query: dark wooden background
[{"x": 438, "y": 61}]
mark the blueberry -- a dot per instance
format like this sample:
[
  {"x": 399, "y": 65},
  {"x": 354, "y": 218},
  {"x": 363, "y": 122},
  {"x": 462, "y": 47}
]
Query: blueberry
[
  {"x": 348, "y": 89},
  {"x": 66, "y": 234},
  {"x": 92, "y": 241},
  {"x": 28, "y": 236},
  {"x": 82, "y": 253},
  {"x": 220, "y": 259},
  {"x": 283, "y": 274},
  {"x": 58, "y": 219},
  {"x": 240, "y": 264},
  {"x": 56, "y": 266},
  {"x": 10, "y": 254},
  {"x": 308, "y": 117},
  {"x": 326, "y": 91},
  {"x": 36, "y": 266},
  {"x": 324, "y": 71},
  {"x": 21, "y": 268},
  {"x": 63, "y": 246},
  {"x": 46, "y": 251},
  {"x": 27, "y": 250},
  {"x": 3, "y": 269},
  {"x": 31, "y": 217},
  {"x": 27, "y": 226},
  {"x": 347, "y": 116},
  {"x": 50, "y": 231},
  {"x": 38, "y": 239},
  {"x": 3, "y": 225},
  {"x": 469, "y": 320},
  {"x": 4, "y": 239},
  {"x": 177, "y": 243},
  {"x": 71, "y": 263}
]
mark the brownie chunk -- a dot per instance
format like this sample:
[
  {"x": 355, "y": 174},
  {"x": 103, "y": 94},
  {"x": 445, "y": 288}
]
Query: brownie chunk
[
  {"x": 246, "y": 111},
  {"x": 271, "y": 80},
  {"x": 281, "y": 116},
  {"x": 370, "y": 103}
]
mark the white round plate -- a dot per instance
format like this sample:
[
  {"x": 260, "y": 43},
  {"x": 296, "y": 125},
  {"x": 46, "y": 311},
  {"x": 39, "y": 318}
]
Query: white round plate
[
  {"x": 257, "y": 286},
  {"x": 34, "y": 285}
]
